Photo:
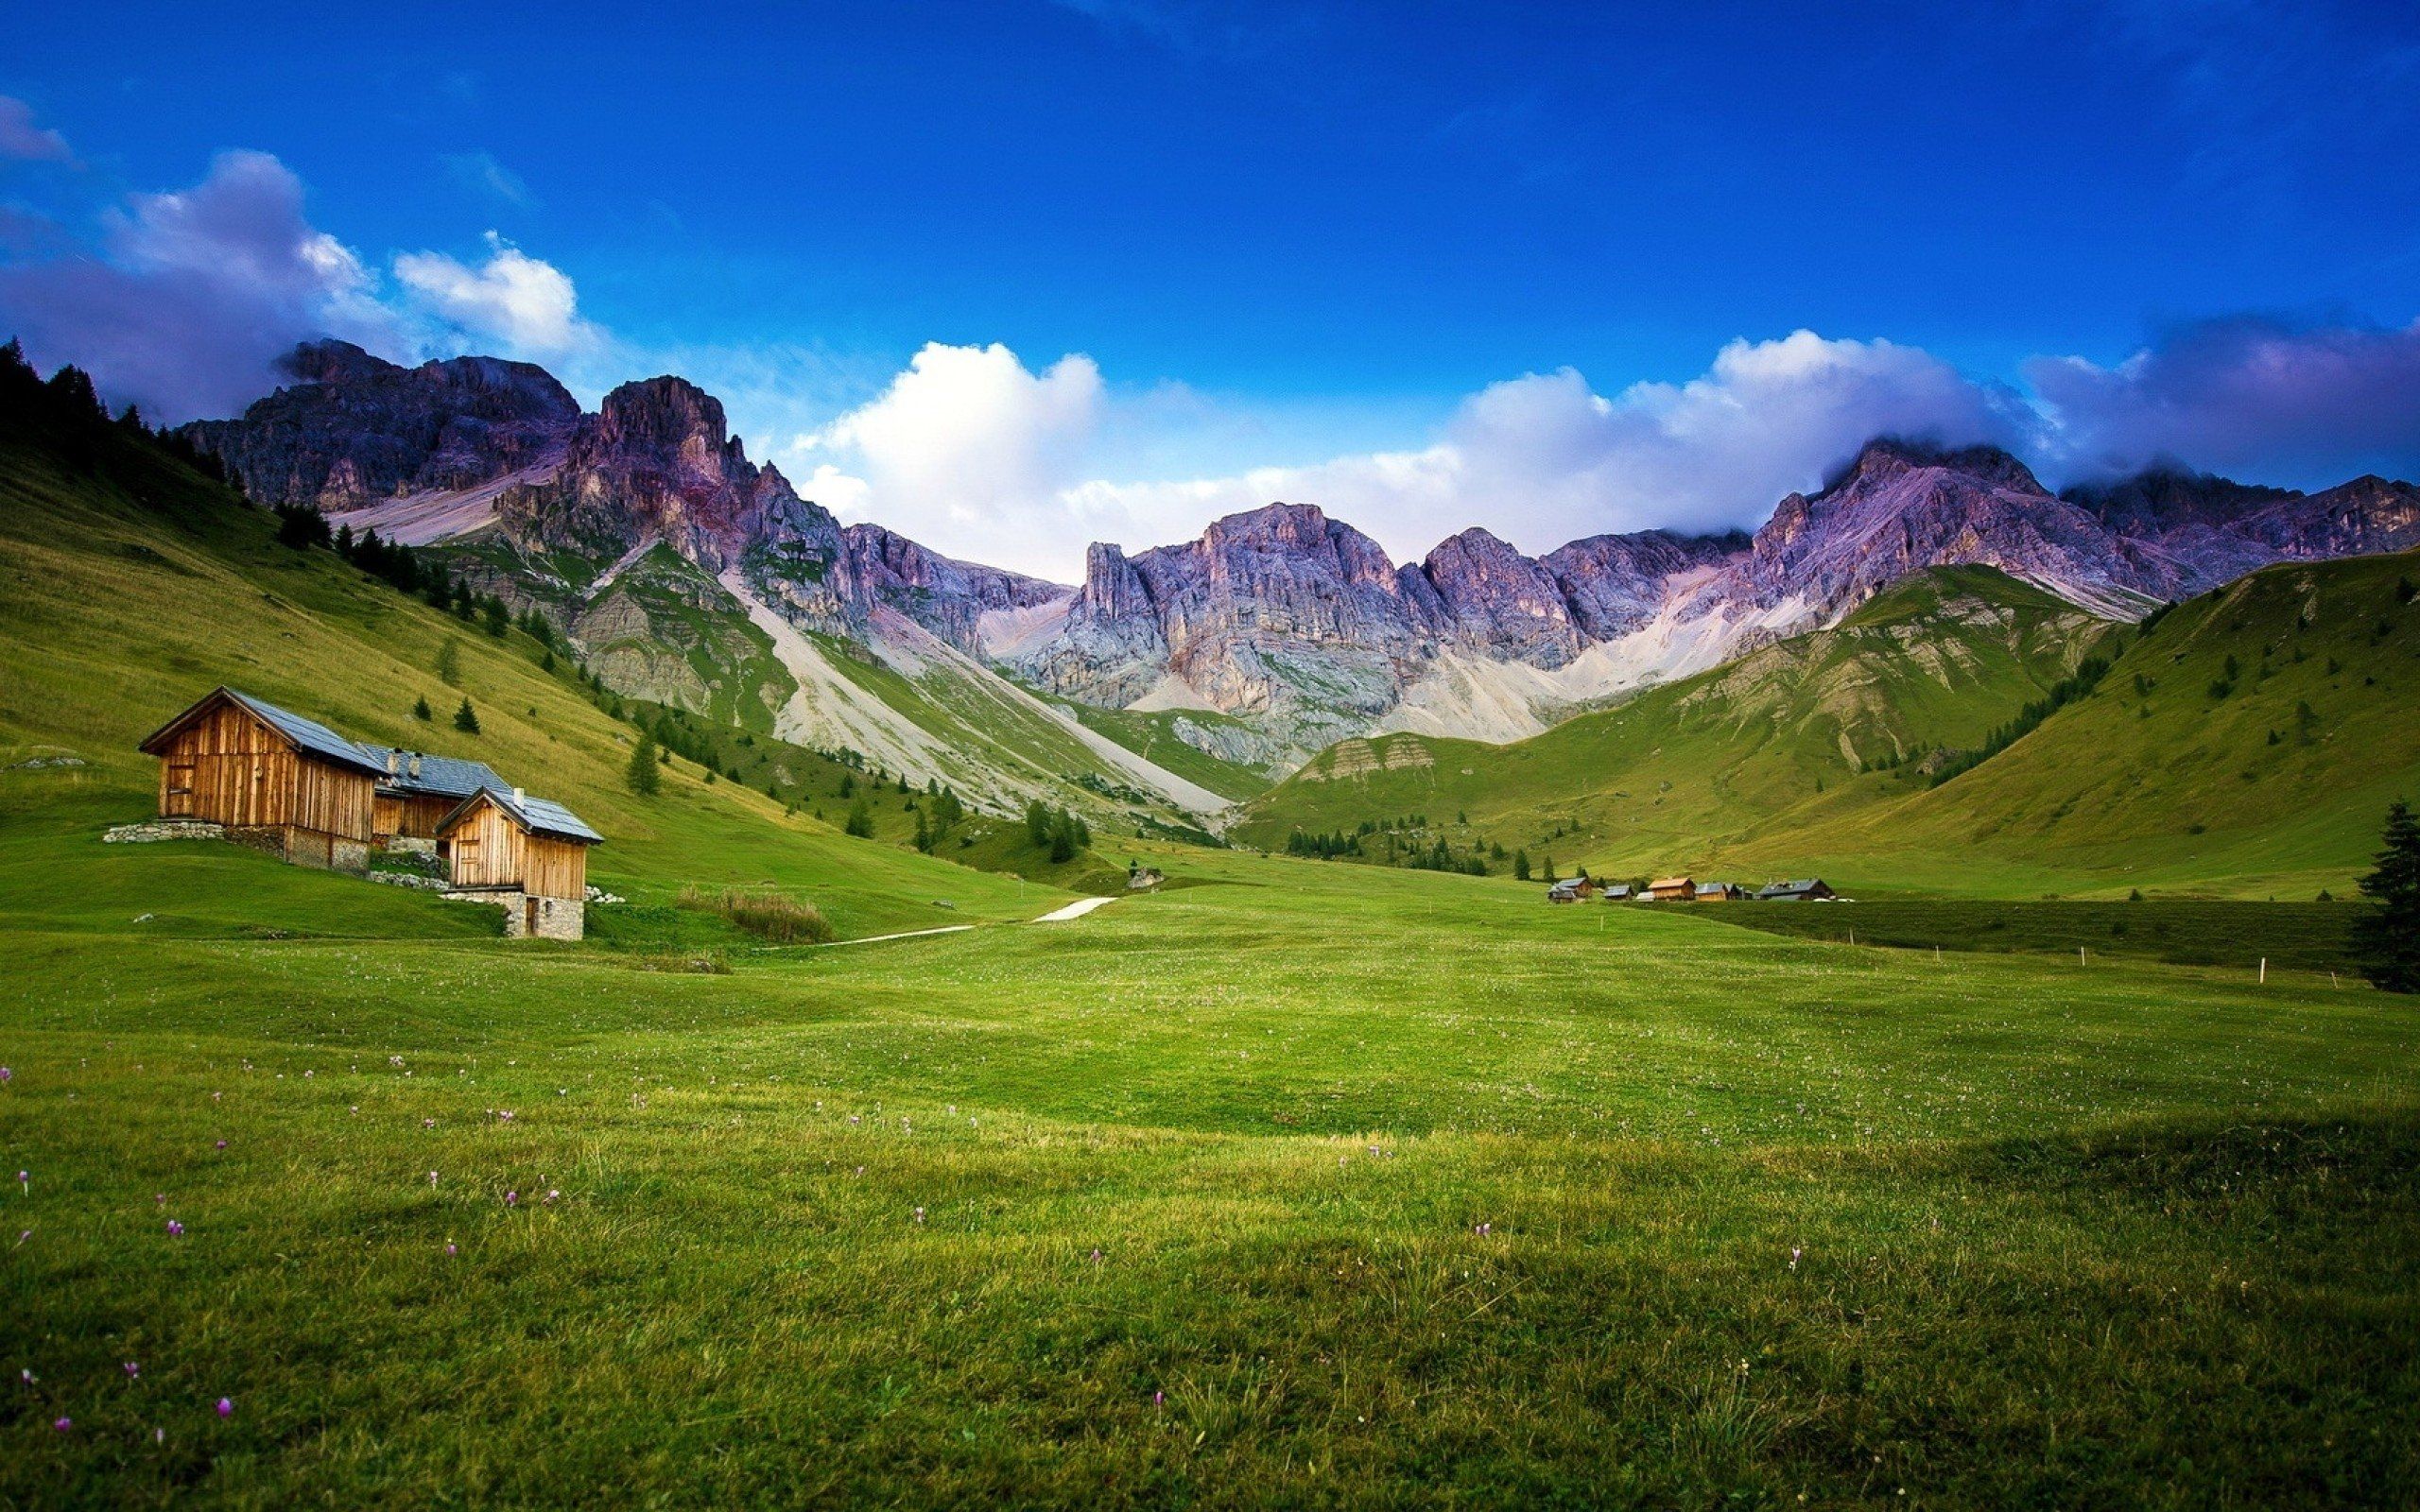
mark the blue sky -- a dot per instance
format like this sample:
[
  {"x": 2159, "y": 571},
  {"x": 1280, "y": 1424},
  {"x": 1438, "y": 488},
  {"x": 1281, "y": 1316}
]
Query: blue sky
[{"x": 1283, "y": 238}]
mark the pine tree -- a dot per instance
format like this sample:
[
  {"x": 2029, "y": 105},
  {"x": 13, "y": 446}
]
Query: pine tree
[
  {"x": 2389, "y": 939},
  {"x": 499, "y": 619},
  {"x": 449, "y": 662},
  {"x": 466, "y": 719},
  {"x": 1037, "y": 822},
  {"x": 421, "y": 712},
  {"x": 1520, "y": 866},
  {"x": 860, "y": 820},
  {"x": 642, "y": 774},
  {"x": 924, "y": 834},
  {"x": 1549, "y": 868}
]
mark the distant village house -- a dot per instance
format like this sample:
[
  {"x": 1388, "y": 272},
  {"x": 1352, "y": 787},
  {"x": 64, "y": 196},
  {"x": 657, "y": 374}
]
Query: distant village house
[
  {"x": 1719, "y": 892},
  {"x": 1671, "y": 890},
  {"x": 1810, "y": 889},
  {"x": 1572, "y": 889}
]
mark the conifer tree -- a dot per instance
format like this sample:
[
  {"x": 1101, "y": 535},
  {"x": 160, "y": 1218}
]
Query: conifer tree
[
  {"x": 642, "y": 774},
  {"x": 466, "y": 719},
  {"x": 2389, "y": 939}
]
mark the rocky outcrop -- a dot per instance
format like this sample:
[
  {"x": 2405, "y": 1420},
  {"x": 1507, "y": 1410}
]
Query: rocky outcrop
[
  {"x": 353, "y": 429},
  {"x": 1902, "y": 507},
  {"x": 657, "y": 462},
  {"x": 946, "y": 596}
]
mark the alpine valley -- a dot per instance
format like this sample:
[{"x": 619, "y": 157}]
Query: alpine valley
[{"x": 1713, "y": 691}]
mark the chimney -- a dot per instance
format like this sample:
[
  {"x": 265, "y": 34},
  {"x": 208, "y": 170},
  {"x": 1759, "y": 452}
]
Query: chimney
[
  {"x": 415, "y": 765},
  {"x": 519, "y": 798},
  {"x": 392, "y": 758}
]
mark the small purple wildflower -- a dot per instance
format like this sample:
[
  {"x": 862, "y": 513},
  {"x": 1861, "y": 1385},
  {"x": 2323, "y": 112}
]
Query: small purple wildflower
[
  {"x": 1794, "y": 1252},
  {"x": 512, "y": 1199},
  {"x": 64, "y": 1425},
  {"x": 552, "y": 1195},
  {"x": 132, "y": 1370},
  {"x": 432, "y": 1178},
  {"x": 222, "y": 1144},
  {"x": 26, "y": 1179},
  {"x": 449, "y": 1246},
  {"x": 7, "y": 1076},
  {"x": 176, "y": 1229},
  {"x": 1159, "y": 1399},
  {"x": 226, "y": 1406},
  {"x": 28, "y": 1377}
]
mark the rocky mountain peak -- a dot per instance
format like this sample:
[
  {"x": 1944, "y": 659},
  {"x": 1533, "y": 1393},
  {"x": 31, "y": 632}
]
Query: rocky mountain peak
[{"x": 1887, "y": 457}]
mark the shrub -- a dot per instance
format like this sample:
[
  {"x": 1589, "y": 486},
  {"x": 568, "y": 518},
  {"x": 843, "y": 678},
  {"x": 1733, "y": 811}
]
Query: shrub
[{"x": 776, "y": 918}]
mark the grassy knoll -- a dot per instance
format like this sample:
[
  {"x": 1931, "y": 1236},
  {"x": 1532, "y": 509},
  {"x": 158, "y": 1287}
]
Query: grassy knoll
[
  {"x": 2298, "y": 937},
  {"x": 1306, "y": 1184}
]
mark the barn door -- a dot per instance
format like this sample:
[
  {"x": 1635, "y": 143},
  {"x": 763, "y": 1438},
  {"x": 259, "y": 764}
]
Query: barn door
[
  {"x": 177, "y": 800},
  {"x": 529, "y": 917}
]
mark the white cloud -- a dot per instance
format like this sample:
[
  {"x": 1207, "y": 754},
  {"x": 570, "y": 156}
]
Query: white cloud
[
  {"x": 524, "y": 305},
  {"x": 22, "y": 140},
  {"x": 968, "y": 447},
  {"x": 1544, "y": 458}
]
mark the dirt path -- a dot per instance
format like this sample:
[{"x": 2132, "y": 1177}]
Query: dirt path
[{"x": 1075, "y": 910}]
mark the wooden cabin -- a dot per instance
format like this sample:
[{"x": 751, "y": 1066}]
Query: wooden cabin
[
  {"x": 274, "y": 779},
  {"x": 1571, "y": 890},
  {"x": 1671, "y": 890},
  {"x": 525, "y": 854},
  {"x": 1719, "y": 892},
  {"x": 1617, "y": 893},
  {"x": 418, "y": 792},
  {"x": 1805, "y": 890}
]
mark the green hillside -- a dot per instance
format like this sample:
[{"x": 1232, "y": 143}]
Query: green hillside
[
  {"x": 129, "y": 585},
  {"x": 1837, "y": 721},
  {"x": 2245, "y": 744},
  {"x": 2248, "y": 742}
]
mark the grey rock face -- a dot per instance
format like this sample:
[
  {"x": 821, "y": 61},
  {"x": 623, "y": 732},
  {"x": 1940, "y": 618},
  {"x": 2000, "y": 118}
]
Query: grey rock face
[
  {"x": 354, "y": 429},
  {"x": 946, "y": 596}
]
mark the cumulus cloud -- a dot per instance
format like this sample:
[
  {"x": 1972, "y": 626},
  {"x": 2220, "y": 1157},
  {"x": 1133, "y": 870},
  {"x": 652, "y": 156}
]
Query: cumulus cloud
[
  {"x": 2302, "y": 404},
  {"x": 967, "y": 445},
  {"x": 1544, "y": 458},
  {"x": 522, "y": 304},
  {"x": 25, "y": 141},
  {"x": 194, "y": 294}
]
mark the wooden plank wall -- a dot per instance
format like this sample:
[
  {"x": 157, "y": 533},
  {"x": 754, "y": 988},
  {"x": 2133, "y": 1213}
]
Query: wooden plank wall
[
  {"x": 230, "y": 768},
  {"x": 413, "y": 816},
  {"x": 557, "y": 869},
  {"x": 486, "y": 850}
]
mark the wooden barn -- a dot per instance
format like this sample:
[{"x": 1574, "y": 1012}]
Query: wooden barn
[
  {"x": 1671, "y": 890},
  {"x": 525, "y": 854},
  {"x": 1803, "y": 890},
  {"x": 270, "y": 777},
  {"x": 1571, "y": 890},
  {"x": 418, "y": 792},
  {"x": 1719, "y": 892}
]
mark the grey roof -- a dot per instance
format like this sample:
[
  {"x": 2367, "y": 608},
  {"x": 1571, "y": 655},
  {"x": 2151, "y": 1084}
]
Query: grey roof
[
  {"x": 537, "y": 814},
  {"x": 1619, "y": 889},
  {"x": 440, "y": 776},
  {"x": 1779, "y": 889},
  {"x": 306, "y": 734}
]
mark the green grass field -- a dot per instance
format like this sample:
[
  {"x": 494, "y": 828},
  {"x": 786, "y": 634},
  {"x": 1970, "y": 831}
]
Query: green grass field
[
  {"x": 1306, "y": 1184},
  {"x": 1296, "y": 1184}
]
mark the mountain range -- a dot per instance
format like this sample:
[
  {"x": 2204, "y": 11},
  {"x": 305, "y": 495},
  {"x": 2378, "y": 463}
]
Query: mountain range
[{"x": 696, "y": 577}]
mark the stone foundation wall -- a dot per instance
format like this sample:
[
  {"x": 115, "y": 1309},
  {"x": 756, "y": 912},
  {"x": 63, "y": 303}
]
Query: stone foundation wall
[{"x": 528, "y": 917}]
